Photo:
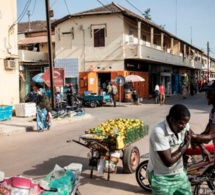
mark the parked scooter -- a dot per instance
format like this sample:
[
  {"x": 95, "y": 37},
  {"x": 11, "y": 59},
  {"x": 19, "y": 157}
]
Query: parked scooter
[
  {"x": 63, "y": 109},
  {"x": 59, "y": 181}
]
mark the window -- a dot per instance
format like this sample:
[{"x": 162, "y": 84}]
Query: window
[
  {"x": 144, "y": 39},
  {"x": 131, "y": 36},
  {"x": 99, "y": 37}
]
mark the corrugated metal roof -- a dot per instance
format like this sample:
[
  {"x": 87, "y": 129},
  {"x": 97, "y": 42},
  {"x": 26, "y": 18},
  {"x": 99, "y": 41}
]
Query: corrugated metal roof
[
  {"x": 35, "y": 26},
  {"x": 34, "y": 40}
]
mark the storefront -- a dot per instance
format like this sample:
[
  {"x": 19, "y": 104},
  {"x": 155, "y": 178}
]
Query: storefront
[{"x": 93, "y": 81}]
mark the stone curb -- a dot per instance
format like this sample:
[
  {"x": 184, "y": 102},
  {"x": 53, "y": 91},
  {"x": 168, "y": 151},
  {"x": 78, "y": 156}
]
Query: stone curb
[{"x": 18, "y": 127}]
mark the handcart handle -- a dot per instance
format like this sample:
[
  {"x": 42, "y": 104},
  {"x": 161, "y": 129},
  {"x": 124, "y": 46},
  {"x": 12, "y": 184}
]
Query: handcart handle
[{"x": 85, "y": 145}]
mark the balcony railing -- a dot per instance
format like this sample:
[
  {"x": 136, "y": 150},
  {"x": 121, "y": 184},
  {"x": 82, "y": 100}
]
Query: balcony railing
[
  {"x": 32, "y": 56},
  {"x": 155, "y": 55}
]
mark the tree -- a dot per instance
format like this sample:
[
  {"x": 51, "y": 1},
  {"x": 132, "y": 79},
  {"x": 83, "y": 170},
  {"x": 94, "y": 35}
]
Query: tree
[{"x": 146, "y": 14}]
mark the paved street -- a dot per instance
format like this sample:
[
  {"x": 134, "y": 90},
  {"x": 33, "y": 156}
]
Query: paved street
[{"x": 35, "y": 154}]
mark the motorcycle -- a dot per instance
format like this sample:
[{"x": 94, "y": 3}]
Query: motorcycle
[
  {"x": 198, "y": 170},
  {"x": 59, "y": 181},
  {"x": 63, "y": 109}
]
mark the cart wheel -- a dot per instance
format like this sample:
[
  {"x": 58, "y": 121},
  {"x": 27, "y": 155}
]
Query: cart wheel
[
  {"x": 131, "y": 159},
  {"x": 93, "y": 104}
]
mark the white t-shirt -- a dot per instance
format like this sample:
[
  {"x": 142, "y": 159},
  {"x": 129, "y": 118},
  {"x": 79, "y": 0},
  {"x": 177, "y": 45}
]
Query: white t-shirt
[
  {"x": 156, "y": 87},
  {"x": 162, "y": 138}
]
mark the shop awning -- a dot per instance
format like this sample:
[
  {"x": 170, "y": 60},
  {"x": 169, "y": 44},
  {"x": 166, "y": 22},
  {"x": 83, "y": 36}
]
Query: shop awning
[{"x": 34, "y": 40}]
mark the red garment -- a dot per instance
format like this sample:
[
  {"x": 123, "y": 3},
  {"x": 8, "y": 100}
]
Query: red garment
[
  {"x": 162, "y": 90},
  {"x": 197, "y": 151}
]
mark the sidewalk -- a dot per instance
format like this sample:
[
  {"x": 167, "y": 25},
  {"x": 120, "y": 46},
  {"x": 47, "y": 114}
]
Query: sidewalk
[{"x": 24, "y": 124}]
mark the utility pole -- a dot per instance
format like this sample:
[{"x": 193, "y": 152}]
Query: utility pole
[
  {"x": 29, "y": 22},
  {"x": 208, "y": 51},
  {"x": 176, "y": 10},
  {"x": 191, "y": 35},
  {"x": 48, "y": 12}
]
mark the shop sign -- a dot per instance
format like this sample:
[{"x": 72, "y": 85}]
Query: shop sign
[{"x": 58, "y": 77}]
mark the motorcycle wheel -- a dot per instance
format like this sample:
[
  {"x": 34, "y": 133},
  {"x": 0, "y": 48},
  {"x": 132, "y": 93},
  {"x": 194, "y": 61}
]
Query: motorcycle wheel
[
  {"x": 210, "y": 174},
  {"x": 81, "y": 110},
  {"x": 141, "y": 176}
]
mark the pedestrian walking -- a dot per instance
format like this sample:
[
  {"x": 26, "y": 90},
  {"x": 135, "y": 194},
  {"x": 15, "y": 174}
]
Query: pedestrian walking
[
  {"x": 114, "y": 91},
  {"x": 135, "y": 97},
  {"x": 169, "y": 140},
  {"x": 162, "y": 94},
  {"x": 109, "y": 88},
  {"x": 157, "y": 93},
  {"x": 184, "y": 90},
  {"x": 43, "y": 115}
]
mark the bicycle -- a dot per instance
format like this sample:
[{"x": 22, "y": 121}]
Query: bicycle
[{"x": 198, "y": 171}]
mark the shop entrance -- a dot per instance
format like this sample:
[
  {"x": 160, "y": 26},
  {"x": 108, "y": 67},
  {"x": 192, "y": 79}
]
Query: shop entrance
[
  {"x": 166, "y": 80},
  {"x": 103, "y": 79}
]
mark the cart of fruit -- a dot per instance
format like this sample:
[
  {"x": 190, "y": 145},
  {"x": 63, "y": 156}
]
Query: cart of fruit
[{"x": 111, "y": 141}]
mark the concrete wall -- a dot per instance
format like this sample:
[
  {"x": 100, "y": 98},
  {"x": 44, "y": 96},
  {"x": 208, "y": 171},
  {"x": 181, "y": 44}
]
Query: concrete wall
[
  {"x": 9, "y": 79},
  {"x": 80, "y": 43}
]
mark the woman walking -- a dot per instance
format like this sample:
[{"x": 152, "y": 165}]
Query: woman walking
[{"x": 43, "y": 111}]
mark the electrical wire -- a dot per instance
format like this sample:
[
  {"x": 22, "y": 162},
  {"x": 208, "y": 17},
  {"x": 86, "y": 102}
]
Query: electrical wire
[
  {"x": 34, "y": 7},
  {"x": 135, "y": 7},
  {"x": 119, "y": 16},
  {"x": 67, "y": 7},
  {"x": 22, "y": 14},
  {"x": 53, "y": 3}
]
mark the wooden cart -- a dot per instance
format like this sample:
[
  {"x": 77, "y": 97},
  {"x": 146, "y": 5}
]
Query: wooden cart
[{"x": 130, "y": 154}]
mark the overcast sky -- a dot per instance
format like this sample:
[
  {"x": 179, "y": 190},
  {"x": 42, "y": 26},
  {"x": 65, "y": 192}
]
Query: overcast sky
[{"x": 190, "y": 20}]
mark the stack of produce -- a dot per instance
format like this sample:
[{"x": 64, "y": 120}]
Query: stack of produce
[{"x": 129, "y": 130}]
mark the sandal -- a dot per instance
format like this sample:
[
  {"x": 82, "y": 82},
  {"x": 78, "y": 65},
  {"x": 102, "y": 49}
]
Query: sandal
[{"x": 40, "y": 131}]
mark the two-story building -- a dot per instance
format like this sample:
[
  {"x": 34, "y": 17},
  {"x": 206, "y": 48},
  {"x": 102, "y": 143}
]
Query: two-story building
[
  {"x": 9, "y": 71},
  {"x": 100, "y": 44},
  {"x": 33, "y": 52}
]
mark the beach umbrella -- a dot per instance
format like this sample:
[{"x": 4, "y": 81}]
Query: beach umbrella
[
  {"x": 134, "y": 78},
  {"x": 38, "y": 78}
]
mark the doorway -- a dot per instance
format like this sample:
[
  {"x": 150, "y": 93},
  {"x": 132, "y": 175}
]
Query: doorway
[{"x": 103, "y": 79}]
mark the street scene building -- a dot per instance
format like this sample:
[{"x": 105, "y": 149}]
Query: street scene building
[
  {"x": 33, "y": 52},
  {"x": 94, "y": 50},
  {"x": 9, "y": 69},
  {"x": 105, "y": 42}
]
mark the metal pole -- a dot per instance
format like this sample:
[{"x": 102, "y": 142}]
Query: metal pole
[
  {"x": 208, "y": 50},
  {"x": 29, "y": 23},
  {"x": 50, "y": 53}
]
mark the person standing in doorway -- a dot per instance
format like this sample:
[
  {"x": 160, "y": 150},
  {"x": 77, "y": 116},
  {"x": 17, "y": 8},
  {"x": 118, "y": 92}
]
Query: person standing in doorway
[{"x": 162, "y": 94}]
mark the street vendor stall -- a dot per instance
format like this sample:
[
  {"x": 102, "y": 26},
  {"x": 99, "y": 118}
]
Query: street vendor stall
[{"x": 111, "y": 141}]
